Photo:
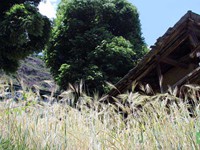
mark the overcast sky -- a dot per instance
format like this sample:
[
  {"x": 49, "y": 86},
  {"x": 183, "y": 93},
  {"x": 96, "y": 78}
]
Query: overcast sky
[{"x": 156, "y": 16}]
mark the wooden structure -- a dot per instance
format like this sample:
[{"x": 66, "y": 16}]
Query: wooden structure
[{"x": 172, "y": 61}]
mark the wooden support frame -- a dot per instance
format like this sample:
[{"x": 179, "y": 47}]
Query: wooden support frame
[
  {"x": 194, "y": 51},
  {"x": 198, "y": 54},
  {"x": 174, "y": 63},
  {"x": 187, "y": 77},
  {"x": 175, "y": 43},
  {"x": 123, "y": 84},
  {"x": 160, "y": 77},
  {"x": 194, "y": 29},
  {"x": 187, "y": 28},
  {"x": 195, "y": 42},
  {"x": 193, "y": 39}
]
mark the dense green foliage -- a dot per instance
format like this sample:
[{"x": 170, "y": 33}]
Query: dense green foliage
[
  {"x": 23, "y": 31},
  {"x": 94, "y": 40}
]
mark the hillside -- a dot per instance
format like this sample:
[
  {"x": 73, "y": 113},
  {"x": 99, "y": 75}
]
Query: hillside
[{"x": 33, "y": 72}]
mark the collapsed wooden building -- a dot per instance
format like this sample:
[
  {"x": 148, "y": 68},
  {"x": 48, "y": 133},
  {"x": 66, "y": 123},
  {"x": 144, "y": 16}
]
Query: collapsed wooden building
[{"x": 172, "y": 61}]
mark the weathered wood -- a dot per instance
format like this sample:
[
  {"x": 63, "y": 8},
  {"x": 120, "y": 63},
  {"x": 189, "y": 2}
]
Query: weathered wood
[
  {"x": 173, "y": 62},
  {"x": 164, "y": 46},
  {"x": 173, "y": 35},
  {"x": 195, "y": 29},
  {"x": 185, "y": 58},
  {"x": 198, "y": 54},
  {"x": 194, "y": 51},
  {"x": 193, "y": 39},
  {"x": 160, "y": 77},
  {"x": 145, "y": 67},
  {"x": 187, "y": 77},
  {"x": 174, "y": 45}
]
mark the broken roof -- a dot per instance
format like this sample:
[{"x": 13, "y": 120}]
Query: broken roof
[{"x": 163, "y": 47}]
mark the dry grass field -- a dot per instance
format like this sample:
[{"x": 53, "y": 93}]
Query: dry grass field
[{"x": 161, "y": 121}]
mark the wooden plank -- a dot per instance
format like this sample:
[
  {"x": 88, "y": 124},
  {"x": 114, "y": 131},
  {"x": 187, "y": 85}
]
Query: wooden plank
[
  {"x": 195, "y": 51},
  {"x": 188, "y": 77},
  {"x": 160, "y": 78},
  {"x": 185, "y": 58},
  {"x": 144, "y": 68},
  {"x": 163, "y": 47},
  {"x": 166, "y": 39},
  {"x": 193, "y": 39},
  {"x": 194, "y": 28},
  {"x": 175, "y": 44},
  {"x": 173, "y": 62},
  {"x": 198, "y": 54},
  {"x": 148, "y": 62},
  {"x": 193, "y": 31}
]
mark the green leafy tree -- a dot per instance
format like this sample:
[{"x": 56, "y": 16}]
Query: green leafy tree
[
  {"x": 23, "y": 31},
  {"x": 94, "y": 40}
]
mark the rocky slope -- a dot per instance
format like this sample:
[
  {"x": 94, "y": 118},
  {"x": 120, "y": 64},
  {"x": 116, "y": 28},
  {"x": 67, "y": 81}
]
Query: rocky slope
[{"x": 34, "y": 72}]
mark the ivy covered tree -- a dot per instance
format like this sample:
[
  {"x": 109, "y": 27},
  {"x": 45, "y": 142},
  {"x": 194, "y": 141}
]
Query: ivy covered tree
[
  {"x": 94, "y": 40},
  {"x": 23, "y": 31}
]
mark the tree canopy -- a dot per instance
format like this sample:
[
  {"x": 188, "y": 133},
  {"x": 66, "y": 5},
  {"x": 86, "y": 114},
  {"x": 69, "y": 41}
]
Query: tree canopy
[
  {"x": 23, "y": 31},
  {"x": 94, "y": 40}
]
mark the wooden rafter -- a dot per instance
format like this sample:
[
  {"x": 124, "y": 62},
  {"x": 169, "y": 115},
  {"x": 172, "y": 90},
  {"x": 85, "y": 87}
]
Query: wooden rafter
[
  {"x": 173, "y": 62},
  {"x": 194, "y": 51},
  {"x": 175, "y": 44},
  {"x": 187, "y": 28},
  {"x": 145, "y": 66},
  {"x": 194, "y": 29},
  {"x": 188, "y": 77},
  {"x": 193, "y": 39}
]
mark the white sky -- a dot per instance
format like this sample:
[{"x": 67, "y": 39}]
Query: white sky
[{"x": 48, "y": 8}]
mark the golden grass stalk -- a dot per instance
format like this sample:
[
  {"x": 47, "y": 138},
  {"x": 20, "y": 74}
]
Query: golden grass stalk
[{"x": 161, "y": 121}]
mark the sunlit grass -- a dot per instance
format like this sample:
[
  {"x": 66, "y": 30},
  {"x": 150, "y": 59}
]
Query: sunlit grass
[{"x": 161, "y": 121}]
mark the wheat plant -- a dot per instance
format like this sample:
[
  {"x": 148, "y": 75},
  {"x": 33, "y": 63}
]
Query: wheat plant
[{"x": 161, "y": 121}]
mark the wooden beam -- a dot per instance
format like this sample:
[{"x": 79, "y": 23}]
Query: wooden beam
[
  {"x": 193, "y": 39},
  {"x": 193, "y": 31},
  {"x": 173, "y": 62},
  {"x": 175, "y": 43},
  {"x": 185, "y": 58},
  {"x": 188, "y": 77},
  {"x": 160, "y": 77},
  {"x": 149, "y": 63},
  {"x": 194, "y": 51},
  {"x": 166, "y": 40},
  {"x": 145, "y": 68},
  {"x": 198, "y": 54}
]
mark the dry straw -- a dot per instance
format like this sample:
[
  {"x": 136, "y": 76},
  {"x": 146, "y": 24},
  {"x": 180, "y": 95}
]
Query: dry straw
[{"x": 161, "y": 121}]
